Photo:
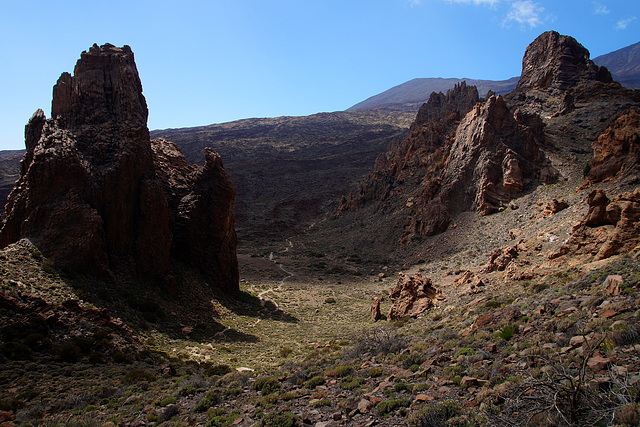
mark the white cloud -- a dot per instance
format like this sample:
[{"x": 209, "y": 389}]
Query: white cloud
[
  {"x": 414, "y": 2},
  {"x": 477, "y": 2},
  {"x": 600, "y": 9},
  {"x": 525, "y": 12},
  {"x": 624, "y": 23}
]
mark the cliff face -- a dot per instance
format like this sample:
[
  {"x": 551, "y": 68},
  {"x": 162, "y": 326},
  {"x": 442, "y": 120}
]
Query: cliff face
[
  {"x": 200, "y": 202},
  {"x": 88, "y": 194},
  {"x": 617, "y": 151}
]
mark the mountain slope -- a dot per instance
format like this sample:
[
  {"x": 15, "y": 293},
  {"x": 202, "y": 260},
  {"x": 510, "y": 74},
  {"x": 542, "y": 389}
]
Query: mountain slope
[
  {"x": 290, "y": 171},
  {"x": 624, "y": 65},
  {"x": 411, "y": 95}
]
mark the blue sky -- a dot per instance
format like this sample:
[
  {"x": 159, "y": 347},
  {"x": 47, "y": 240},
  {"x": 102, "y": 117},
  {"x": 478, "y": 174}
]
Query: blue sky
[{"x": 214, "y": 61}]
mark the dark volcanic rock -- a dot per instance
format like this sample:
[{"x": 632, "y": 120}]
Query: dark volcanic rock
[
  {"x": 556, "y": 62},
  {"x": 201, "y": 207},
  {"x": 88, "y": 195}
]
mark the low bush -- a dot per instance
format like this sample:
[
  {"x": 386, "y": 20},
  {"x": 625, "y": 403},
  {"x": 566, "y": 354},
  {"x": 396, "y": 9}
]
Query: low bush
[
  {"x": 266, "y": 385},
  {"x": 210, "y": 399},
  {"x": 280, "y": 419},
  {"x": 137, "y": 376},
  {"x": 388, "y": 406},
  {"x": 315, "y": 381}
]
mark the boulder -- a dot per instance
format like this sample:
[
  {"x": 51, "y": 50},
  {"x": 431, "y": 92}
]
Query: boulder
[
  {"x": 501, "y": 257},
  {"x": 610, "y": 227},
  {"x": 375, "y": 309},
  {"x": 411, "y": 296}
]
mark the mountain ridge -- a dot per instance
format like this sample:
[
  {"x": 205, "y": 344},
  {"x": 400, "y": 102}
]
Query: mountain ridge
[{"x": 624, "y": 65}]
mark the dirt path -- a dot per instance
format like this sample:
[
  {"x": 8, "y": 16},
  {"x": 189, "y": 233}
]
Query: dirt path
[{"x": 288, "y": 273}]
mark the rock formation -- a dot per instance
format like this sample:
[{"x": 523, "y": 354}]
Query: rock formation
[
  {"x": 617, "y": 150},
  {"x": 88, "y": 196},
  {"x": 421, "y": 153},
  {"x": 610, "y": 227},
  {"x": 460, "y": 154},
  {"x": 557, "y": 63},
  {"x": 493, "y": 157},
  {"x": 200, "y": 202},
  {"x": 411, "y": 296}
]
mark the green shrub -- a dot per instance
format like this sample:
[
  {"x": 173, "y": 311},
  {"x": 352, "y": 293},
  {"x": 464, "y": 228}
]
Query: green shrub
[
  {"x": 218, "y": 370},
  {"x": 188, "y": 390},
  {"x": 169, "y": 400},
  {"x": 120, "y": 357},
  {"x": 351, "y": 384},
  {"x": 339, "y": 371},
  {"x": 211, "y": 398},
  {"x": 37, "y": 341},
  {"x": 315, "y": 381},
  {"x": 280, "y": 419},
  {"x": 507, "y": 332},
  {"x": 137, "y": 376},
  {"x": 321, "y": 402},
  {"x": 436, "y": 415},
  {"x": 266, "y": 385},
  {"x": 69, "y": 352},
  {"x": 387, "y": 406},
  {"x": 15, "y": 351},
  {"x": 96, "y": 358},
  {"x": 375, "y": 372}
]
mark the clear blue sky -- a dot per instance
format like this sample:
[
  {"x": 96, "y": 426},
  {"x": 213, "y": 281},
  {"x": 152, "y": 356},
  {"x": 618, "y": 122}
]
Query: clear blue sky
[{"x": 214, "y": 61}]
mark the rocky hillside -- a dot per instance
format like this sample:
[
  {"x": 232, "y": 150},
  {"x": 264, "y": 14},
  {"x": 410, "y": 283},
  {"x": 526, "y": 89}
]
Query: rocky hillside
[
  {"x": 483, "y": 157},
  {"x": 93, "y": 197},
  {"x": 289, "y": 172}
]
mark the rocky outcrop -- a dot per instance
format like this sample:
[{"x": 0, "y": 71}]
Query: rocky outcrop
[
  {"x": 421, "y": 154},
  {"x": 610, "y": 227},
  {"x": 88, "y": 196},
  {"x": 411, "y": 296},
  {"x": 495, "y": 154},
  {"x": 200, "y": 202},
  {"x": 460, "y": 154},
  {"x": 554, "y": 62},
  {"x": 617, "y": 150}
]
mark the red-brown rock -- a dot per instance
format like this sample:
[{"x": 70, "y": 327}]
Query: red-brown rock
[
  {"x": 617, "y": 150},
  {"x": 595, "y": 237},
  {"x": 556, "y": 62},
  {"x": 411, "y": 296}
]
